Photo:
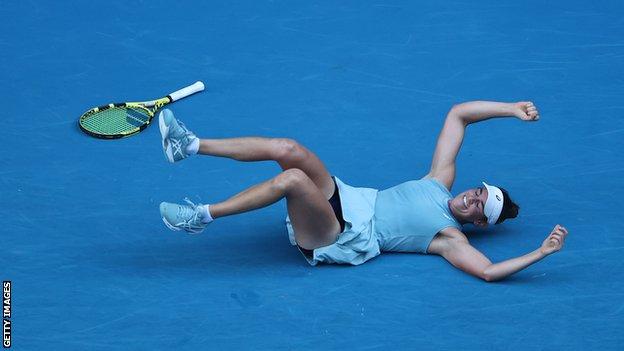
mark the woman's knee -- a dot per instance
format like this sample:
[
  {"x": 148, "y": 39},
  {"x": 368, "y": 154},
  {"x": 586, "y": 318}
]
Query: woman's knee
[
  {"x": 288, "y": 151},
  {"x": 292, "y": 178}
]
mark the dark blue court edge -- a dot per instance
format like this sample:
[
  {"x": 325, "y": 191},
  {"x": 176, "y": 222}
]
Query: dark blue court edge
[{"x": 363, "y": 84}]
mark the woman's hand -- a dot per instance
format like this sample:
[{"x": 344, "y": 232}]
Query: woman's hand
[
  {"x": 526, "y": 111},
  {"x": 554, "y": 241}
]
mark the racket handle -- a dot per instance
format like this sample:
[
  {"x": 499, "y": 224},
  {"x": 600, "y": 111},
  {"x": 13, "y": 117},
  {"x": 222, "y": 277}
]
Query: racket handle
[{"x": 184, "y": 92}]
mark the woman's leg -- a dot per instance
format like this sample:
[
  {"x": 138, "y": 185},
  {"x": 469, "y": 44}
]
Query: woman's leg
[
  {"x": 311, "y": 215},
  {"x": 286, "y": 152},
  {"x": 179, "y": 143},
  {"x": 305, "y": 183}
]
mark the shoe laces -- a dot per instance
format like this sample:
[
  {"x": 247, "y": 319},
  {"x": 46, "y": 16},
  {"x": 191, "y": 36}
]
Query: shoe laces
[
  {"x": 190, "y": 217},
  {"x": 179, "y": 143},
  {"x": 185, "y": 131}
]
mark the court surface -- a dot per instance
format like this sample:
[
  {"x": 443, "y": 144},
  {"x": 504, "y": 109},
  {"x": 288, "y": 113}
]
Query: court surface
[{"x": 366, "y": 85}]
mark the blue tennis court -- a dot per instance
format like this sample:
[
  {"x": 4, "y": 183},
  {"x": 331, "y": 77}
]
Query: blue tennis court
[{"x": 364, "y": 84}]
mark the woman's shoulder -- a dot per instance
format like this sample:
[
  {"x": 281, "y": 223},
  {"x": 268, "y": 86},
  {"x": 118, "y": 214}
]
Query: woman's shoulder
[{"x": 435, "y": 184}]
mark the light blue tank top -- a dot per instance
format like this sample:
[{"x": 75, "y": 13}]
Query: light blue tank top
[{"x": 409, "y": 215}]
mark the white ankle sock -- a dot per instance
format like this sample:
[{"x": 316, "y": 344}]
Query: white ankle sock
[
  {"x": 206, "y": 217},
  {"x": 193, "y": 147}
]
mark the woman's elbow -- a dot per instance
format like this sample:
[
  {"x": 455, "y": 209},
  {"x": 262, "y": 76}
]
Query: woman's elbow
[
  {"x": 457, "y": 112},
  {"x": 488, "y": 276}
]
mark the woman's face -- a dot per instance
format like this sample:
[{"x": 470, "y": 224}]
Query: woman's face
[{"x": 468, "y": 207}]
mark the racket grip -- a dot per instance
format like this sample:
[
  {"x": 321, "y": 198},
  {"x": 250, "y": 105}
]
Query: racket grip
[{"x": 184, "y": 92}]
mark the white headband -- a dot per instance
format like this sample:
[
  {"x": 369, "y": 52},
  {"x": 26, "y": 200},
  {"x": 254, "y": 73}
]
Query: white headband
[{"x": 493, "y": 204}]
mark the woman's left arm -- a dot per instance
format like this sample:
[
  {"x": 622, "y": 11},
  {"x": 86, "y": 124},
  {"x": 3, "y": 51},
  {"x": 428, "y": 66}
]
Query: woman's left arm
[{"x": 456, "y": 249}]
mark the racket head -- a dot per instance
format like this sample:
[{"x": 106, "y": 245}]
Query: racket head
[{"x": 114, "y": 121}]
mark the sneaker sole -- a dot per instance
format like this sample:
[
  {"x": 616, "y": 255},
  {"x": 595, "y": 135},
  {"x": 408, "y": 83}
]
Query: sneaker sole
[
  {"x": 174, "y": 228},
  {"x": 169, "y": 225},
  {"x": 164, "y": 131}
]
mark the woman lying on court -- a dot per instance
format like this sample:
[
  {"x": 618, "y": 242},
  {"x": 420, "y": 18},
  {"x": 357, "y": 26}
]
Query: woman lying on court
[{"x": 333, "y": 222}]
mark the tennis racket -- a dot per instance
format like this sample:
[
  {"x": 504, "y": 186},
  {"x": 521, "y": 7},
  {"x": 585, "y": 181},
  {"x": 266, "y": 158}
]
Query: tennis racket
[{"x": 124, "y": 119}]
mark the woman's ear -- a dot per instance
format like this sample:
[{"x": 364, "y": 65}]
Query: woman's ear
[{"x": 480, "y": 223}]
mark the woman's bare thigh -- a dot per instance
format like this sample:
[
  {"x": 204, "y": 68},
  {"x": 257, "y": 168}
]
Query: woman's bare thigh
[{"x": 311, "y": 215}]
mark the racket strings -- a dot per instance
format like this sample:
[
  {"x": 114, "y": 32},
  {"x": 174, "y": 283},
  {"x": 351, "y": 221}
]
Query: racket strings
[{"x": 116, "y": 120}]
